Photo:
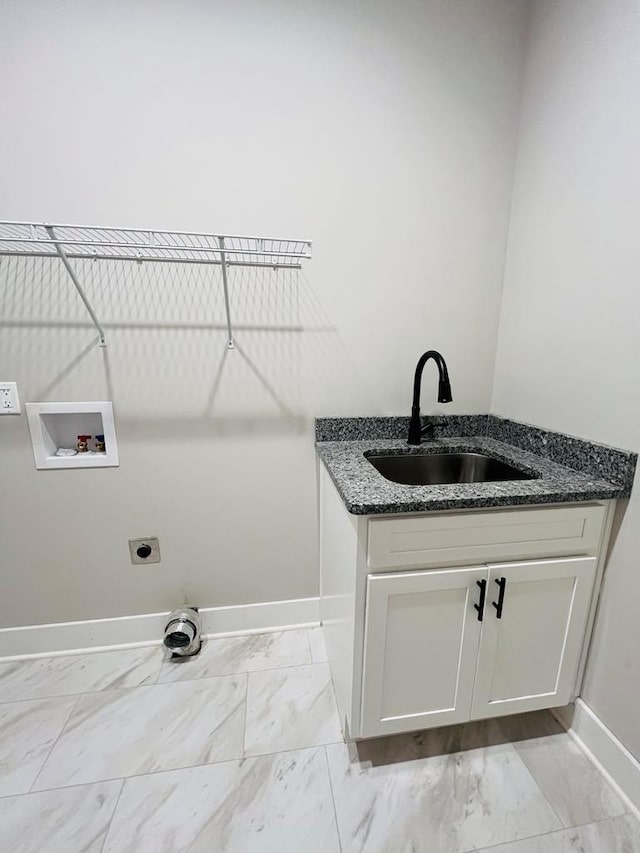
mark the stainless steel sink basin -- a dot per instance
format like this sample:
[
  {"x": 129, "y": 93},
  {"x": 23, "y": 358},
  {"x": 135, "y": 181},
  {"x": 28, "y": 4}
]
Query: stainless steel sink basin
[{"x": 431, "y": 469}]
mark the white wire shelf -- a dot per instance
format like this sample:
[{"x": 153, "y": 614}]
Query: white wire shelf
[
  {"x": 37, "y": 239},
  {"x": 82, "y": 242}
]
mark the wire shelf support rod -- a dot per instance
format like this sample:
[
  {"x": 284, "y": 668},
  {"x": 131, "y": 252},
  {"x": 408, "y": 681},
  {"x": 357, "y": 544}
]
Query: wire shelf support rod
[{"x": 61, "y": 253}]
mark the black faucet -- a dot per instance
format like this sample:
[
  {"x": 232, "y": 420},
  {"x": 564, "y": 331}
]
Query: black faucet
[{"x": 416, "y": 430}]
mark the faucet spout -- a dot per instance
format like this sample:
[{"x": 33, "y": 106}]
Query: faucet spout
[{"x": 416, "y": 430}]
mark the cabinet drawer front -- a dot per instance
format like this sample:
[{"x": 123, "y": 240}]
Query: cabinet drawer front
[{"x": 457, "y": 538}]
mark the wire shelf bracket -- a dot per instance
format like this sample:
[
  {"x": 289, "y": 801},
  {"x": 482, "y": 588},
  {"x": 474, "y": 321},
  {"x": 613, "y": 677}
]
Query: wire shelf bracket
[
  {"x": 80, "y": 242},
  {"x": 225, "y": 285},
  {"x": 65, "y": 260}
]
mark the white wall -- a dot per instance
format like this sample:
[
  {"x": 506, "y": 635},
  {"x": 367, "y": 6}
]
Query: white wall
[
  {"x": 383, "y": 131},
  {"x": 569, "y": 347}
]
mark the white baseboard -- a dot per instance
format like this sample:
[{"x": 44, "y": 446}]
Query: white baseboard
[
  {"x": 611, "y": 757},
  {"x": 148, "y": 628}
]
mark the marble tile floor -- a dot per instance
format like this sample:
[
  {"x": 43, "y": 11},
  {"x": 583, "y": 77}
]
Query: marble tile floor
[{"x": 239, "y": 751}]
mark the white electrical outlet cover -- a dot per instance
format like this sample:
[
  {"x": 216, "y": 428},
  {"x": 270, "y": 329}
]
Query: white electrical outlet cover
[{"x": 9, "y": 400}]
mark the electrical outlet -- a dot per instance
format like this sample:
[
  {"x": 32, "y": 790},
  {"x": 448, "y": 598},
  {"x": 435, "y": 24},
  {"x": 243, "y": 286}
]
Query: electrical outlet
[
  {"x": 144, "y": 550},
  {"x": 9, "y": 400}
]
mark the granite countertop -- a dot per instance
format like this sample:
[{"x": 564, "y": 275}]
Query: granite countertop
[{"x": 591, "y": 471}]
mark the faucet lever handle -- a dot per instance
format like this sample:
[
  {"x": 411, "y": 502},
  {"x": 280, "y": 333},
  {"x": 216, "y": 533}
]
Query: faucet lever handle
[{"x": 430, "y": 426}]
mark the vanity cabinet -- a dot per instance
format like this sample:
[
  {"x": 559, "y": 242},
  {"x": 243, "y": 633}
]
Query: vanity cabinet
[
  {"x": 411, "y": 643},
  {"x": 449, "y": 646}
]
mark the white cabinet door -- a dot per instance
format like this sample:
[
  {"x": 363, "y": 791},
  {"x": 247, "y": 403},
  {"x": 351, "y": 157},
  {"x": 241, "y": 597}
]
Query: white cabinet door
[
  {"x": 421, "y": 644},
  {"x": 529, "y": 652}
]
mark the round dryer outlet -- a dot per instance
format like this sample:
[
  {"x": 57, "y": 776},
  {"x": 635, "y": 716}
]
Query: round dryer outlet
[{"x": 144, "y": 550}]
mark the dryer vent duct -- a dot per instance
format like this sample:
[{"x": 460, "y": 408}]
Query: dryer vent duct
[{"x": 182, "y": 632}]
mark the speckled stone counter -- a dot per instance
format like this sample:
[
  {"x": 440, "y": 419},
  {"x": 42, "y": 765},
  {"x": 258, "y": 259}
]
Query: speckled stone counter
[{"x": 566, "y": 469}]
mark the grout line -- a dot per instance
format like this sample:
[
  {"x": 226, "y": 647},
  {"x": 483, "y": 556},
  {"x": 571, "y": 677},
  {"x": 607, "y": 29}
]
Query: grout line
[
  {"x": 113, "y": 813},
  {"x": 244, "y": 724},
  {"x": 309, "y": 645},
  {"x": 333, "y": 799},
  {"x": 161, "y": 683},
  {"x": 166, "y": 660},
  {"x": 538, "y": 786},
  {"x": 241, "y": 672},
  {"x": 163, "y": 662},
  {"x": 49, "y": 698},
  {"x": 237, "y": 760},
  {"x": 551, "y": 833},
  {"x": 597, "y": 820},
  {"x": 62, "y": 729},
  {"x": 148, "y": 682},
  {"x": 296, "y": 748},
  {"x": 156, "y": 680}
]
